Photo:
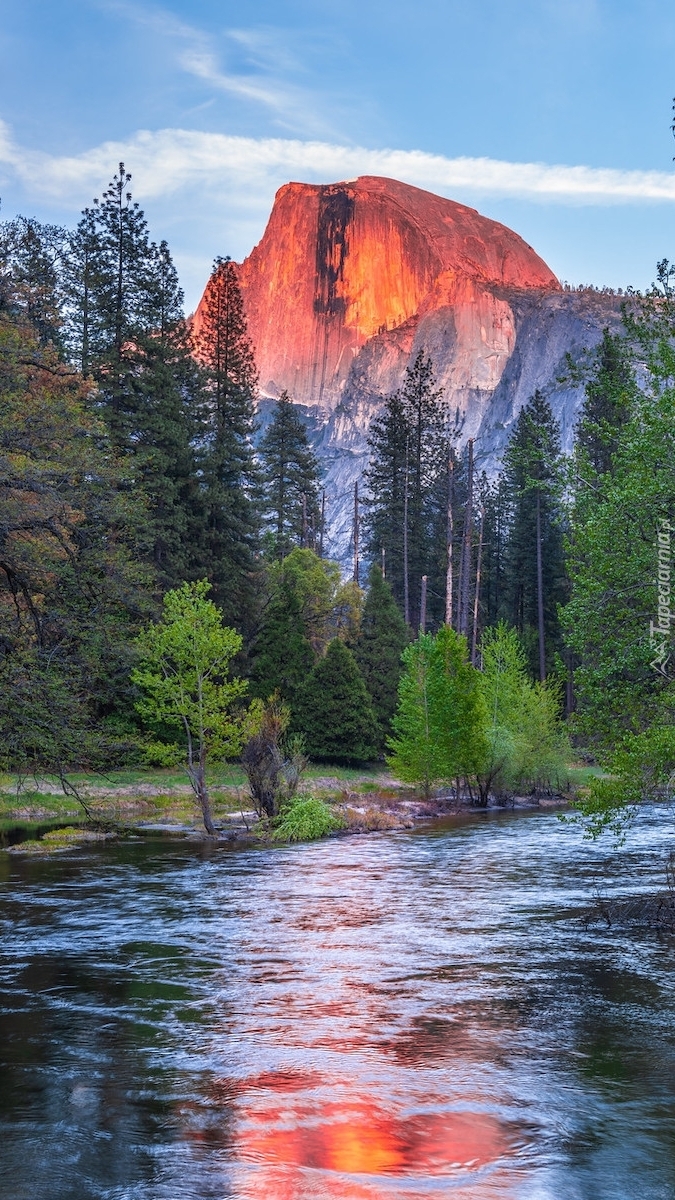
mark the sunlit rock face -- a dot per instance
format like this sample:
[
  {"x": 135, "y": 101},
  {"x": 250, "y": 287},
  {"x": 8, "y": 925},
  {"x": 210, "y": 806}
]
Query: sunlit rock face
[
  {"x": 341, "y": 264},
  {"x": 351, "y": 279}
]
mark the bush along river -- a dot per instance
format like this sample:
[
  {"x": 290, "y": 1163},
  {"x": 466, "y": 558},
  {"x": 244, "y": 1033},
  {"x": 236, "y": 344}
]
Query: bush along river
[{"x": 413, "y": 1014}]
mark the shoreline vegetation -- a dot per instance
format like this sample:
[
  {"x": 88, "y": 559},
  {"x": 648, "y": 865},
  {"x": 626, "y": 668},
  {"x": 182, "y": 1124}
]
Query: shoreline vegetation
[{"x": 38, "y": 817}]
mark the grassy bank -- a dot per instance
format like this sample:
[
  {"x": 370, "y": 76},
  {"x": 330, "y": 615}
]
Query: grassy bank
[{"x": 364, "y": 799}]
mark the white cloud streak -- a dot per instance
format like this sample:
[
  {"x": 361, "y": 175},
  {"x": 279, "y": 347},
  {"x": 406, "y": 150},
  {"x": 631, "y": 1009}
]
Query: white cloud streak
[
  {"x": 292, "y": 108},
  {"x": 170, "y": 160}
]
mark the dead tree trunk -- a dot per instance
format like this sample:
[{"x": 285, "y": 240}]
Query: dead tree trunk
[
  {"x": 476, "y": 598},
  {"x": 467, "y": 538},
  {"x": 423, "y": 605},
  {"x": 323, "y": 522}
]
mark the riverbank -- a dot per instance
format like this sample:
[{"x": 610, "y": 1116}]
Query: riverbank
[{"x": 43, "y": 818}]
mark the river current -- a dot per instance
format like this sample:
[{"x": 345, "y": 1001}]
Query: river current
[{"x": 400, "y": 1015}]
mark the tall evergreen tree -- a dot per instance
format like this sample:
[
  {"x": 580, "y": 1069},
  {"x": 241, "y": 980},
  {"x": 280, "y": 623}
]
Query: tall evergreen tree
[
  {"x": 608, "y": 403},
  {"x": 281, "y": 652},
  {"x": 493, "y": 585},
  {"x": 230, "y": 476},
  {"x": 382, "y": 638},
  {"x": 333, "y": 710},
  {"x": 408, "y": 453},
  {"x": 290, "y": 481},
  {"x": 125, "y": 327},
  {"x": 534, "y": 564},
  {"x": 31, "y": 259}
]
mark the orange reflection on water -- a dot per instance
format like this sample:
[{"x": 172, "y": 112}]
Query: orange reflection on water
[{"x": 286, "y": 1141}]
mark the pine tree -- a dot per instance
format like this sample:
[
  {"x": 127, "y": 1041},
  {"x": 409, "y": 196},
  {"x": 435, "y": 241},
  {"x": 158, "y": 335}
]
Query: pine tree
[
  {"x": 608, "y": 403},
  {"x": 170, "y": 400},
  {"x": 382, "y": 638},
  {"x": 333, "y": 710},
  {"x": 31, "y": 257},
  {"x": 290, "y": 481},
  {"x": 385, "y": 479},
  {"x": 282, "y": 655},
  {"x": 231, "y": 481},
  {"x": 408, "y": 454},
  {"x": 534, "y": 563},
  {"x": 125, "y": 327}
]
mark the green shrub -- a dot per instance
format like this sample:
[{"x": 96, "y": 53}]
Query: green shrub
[{"x": 304, "y": 820}]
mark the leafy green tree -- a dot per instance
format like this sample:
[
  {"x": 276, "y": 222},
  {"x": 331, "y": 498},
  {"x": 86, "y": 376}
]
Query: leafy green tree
[
  {"x": 184, "y": 661},
  {"x": 315, "y": 584},
  {"x": 416, "y": 755},
  {"x": 290, "y": 473},
  {"x": 229, "y": 470},
  {"x": 383, "y": 636},
  {"x": 525, "y": 743},
  {"x": 439, "y": 727},
  {"x": 535, "y": 582},
  {"x": 333, "y": 710}
]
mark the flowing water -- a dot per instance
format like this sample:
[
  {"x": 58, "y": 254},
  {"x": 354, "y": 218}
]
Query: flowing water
[{"x": 394, "y": 1016}]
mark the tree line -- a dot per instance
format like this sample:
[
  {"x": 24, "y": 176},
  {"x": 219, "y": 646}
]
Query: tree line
[{"x": 130, "y": 468}]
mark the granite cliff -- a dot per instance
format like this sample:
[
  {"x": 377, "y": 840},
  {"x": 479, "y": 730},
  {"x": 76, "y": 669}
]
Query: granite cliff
[{"x": 350, "y": 280}]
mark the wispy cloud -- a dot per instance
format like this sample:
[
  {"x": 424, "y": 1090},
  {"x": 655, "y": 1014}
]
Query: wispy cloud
[
  {"x": 267, "y": 63},
  {"x": 169, "y": 160}
]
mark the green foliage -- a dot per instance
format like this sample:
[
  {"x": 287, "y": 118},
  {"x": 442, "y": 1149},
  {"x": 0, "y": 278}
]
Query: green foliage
[
  {"x": 333, "y": 710},
  {"x": 281, "y": 652},
  {"x": 642, "y": 768},
  {"x": 31, "y": 255},
  {"x": 532, "y": 486},
  {"x": 439, "y": 728},
  {"x": 124, "y": 327},
  {"x": 162, "y": 754},
  {"x": 408, "y": 445},
  {"x": 382, "y": 638},
  {"x": 229, "y": 471},
  {"x": 525, "y": 741},
  {"x": 184, "y": 659},
  {"x": 610, "y": 393},
  {"x": 290, "y": 473},
  {"x": 314, "y": 583},
  {"x": 613, "y": 563},
  {"x": 72, "y": 593},
  {"x": 305, "y": 819},
  {"x": 622, "y": 517}
]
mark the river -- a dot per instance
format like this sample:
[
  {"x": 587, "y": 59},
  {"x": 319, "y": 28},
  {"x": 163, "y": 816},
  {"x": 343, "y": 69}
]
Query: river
[{"x": 417, "y": 1014}]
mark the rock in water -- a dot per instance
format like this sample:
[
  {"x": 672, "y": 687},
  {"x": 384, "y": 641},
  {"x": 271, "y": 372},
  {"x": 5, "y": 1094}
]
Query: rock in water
[{"x": 351, "y": 279}]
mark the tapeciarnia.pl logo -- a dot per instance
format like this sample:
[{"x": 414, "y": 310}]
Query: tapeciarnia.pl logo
[{"x": 660, "y": 630}]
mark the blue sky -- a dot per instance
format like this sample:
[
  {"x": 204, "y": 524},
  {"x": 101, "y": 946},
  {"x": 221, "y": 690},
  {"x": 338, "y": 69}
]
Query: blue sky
[{"x": 552, "y": 116}]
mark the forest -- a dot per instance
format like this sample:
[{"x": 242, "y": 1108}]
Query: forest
[{"x": 164, "y": 591}]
